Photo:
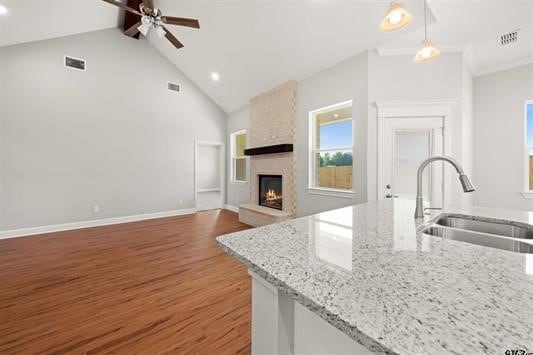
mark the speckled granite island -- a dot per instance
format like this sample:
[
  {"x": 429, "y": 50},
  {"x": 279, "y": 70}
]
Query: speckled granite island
[{"x": 364, "y": 279}]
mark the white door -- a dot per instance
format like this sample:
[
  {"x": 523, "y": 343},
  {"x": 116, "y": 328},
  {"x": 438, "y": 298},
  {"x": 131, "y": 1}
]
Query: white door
[
  {"x": 209, "y": 175},
  {"x": 406, "y": 143}
]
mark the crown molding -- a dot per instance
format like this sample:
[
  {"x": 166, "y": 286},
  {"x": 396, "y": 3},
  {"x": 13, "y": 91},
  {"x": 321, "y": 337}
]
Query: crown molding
[
  {"x": 382, "y": 51},
  {"x": 467, "y": 55},
  {"x": 469, "y": 60},
  {"x": 502, "y": 67}
]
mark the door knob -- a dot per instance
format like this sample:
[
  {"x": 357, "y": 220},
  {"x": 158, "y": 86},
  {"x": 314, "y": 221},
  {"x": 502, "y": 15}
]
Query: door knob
[{"x": 389, "y": 195}]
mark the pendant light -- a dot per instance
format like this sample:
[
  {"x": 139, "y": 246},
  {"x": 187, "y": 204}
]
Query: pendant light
[
  {"x": 428, "y": 51},
  {"x": 397, "y": 18}
]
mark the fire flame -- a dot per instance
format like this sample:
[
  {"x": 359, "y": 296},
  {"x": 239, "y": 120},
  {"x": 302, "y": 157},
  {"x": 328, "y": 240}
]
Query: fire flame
[{"x": 271, "y": 195}]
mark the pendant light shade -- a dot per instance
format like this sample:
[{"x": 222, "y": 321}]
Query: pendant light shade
[
  {"x": 427, "y": 52},
  {"x": 397, "y": 18}
]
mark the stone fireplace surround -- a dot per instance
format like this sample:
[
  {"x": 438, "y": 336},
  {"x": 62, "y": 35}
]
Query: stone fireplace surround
[{"x": 272, "y": 121}]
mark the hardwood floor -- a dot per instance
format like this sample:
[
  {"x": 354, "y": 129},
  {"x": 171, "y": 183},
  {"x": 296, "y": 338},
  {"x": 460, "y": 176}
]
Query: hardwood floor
[{"x": 151, "y": 287}]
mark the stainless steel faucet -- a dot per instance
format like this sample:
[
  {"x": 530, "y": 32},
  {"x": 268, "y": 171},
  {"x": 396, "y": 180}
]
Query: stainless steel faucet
[{"x": 465, "y": 182}]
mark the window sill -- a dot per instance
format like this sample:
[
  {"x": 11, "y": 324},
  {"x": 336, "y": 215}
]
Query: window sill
[
  {"x": 331, "y": 192},
  {"x": 239, "y": 183},
  {"x": 527, "y": 194}
]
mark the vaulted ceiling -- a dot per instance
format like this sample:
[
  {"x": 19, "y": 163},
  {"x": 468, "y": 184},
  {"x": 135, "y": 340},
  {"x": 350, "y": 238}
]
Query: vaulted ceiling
[
  {"x": 34, "y": 20},
  {"x": 257, "y": 44},
  {"x": 253, "y": 44}
]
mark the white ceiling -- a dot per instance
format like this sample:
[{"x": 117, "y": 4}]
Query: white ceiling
[
  {"x": 33, "y": 20},
  {"x": 253, "y": 44},
  {"x": 257, "y": 44},
  {"x": 474, "y": 26}
]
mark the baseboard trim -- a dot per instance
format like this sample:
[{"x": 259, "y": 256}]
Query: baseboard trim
[
  {"x": 231, "y": 208},
  {"x": 13, "y": 233}
]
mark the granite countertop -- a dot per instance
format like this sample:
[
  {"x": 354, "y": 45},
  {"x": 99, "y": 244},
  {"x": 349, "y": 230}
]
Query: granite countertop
[{"x": 368, "y": 271}]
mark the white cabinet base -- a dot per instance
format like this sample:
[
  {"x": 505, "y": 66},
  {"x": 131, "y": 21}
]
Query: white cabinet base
[{"x": 282, "y": 326}]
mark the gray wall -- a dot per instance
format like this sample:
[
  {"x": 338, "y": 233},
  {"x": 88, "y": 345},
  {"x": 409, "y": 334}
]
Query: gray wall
[
  {"x": 238, "y": 120},
  {"x": 487, "y": 130},
  {"x": 2, "y": 142},
  {"x": 398, "y": 78},
  {"x": 347, "y": 80},
  {"x": 365, "y": 79},
  {"x": 112, "y": 136},
  {"x": 499, "y": 125},
  {"x": 468, "y": 129}
]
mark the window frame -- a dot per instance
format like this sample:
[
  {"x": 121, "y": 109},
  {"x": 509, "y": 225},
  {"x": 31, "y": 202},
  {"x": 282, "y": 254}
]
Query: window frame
[
  {"x": 313, "y": 150},
  {"x": 527, "y": 192},
  {"x": 234, "y": 157}
]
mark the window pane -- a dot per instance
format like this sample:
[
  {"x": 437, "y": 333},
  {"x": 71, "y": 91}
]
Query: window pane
[
  {"x": 240, "y": 144},
  {"x": 240, "y": 169},
  {"x": 334, "y": 128},
  {"x": 531, "y": 169},
  {"x": 529, "y": 125},
  {"x": 410, "y": 149},
  {"x": 529, "y": 120},
  {"x": 334, "y": 170}
]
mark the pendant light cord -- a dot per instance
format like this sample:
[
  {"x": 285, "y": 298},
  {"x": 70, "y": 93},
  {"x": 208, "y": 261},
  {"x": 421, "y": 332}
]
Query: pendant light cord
[{"x": 425, "y": 22}]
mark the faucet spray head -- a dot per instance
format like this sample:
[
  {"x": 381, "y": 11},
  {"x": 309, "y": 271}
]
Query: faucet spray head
[{"x": 466, "y": 184}]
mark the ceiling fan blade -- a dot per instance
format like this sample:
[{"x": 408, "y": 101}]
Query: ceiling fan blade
[
  {"x": 122, "y": 6},
  {"x": 180, "y": 21},
  {"x": 149, "y": 4},
  {"x": 172, "y": 39},
  {"x": 132, "y": 31}
]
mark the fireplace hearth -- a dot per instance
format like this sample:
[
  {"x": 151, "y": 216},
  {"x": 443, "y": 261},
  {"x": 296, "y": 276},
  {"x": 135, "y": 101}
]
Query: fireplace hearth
[{"x": 270, "y": 191}]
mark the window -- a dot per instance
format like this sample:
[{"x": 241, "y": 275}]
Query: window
[
  {"x": 529, "y": 142},
  {"x": 238, "y": 159},
  {"x": 331, "y": 148}
]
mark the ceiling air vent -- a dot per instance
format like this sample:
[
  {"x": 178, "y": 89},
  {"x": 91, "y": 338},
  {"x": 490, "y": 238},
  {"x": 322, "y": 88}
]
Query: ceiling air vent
[
  {"x": 173, "y": 86},
  {"x": 75, "y": 63},
  {"x": 509, "y": 38}
]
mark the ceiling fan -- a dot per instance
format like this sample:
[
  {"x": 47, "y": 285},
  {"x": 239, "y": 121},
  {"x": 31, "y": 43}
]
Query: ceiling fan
[{"x": 152, "y": 18}]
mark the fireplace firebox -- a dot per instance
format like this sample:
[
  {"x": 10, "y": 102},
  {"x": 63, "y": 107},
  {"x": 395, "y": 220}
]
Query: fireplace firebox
[{"x": 270, "y": 191}]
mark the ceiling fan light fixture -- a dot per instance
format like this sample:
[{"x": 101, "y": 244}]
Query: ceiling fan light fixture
[
  {"x": 160, "y": 31},
  {"x": 152, "y": 18},
  {"x": 427, "y": 52},
  {"x": 396, "y": 18},
  {"x": 146, "y": 24},
  {"x": 143, "y": 29}
]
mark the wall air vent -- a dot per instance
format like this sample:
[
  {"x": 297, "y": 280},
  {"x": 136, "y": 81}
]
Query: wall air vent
[
  {"x": 75, "y": 63},
  {"x": 173, "y": 86},
  {"x": 508, "y": 38}
]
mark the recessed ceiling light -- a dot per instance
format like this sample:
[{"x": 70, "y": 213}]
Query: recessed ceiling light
[
  {"x": 3, "y": 10},
  {"x": 336, "y": 115},
  {"x": 215, "y": 76}
]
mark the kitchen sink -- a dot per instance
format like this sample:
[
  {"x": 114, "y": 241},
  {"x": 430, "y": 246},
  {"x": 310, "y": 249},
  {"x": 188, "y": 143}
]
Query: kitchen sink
[
  {"x": 503, "y": 229},
  {"x": 479, "y": 238}
]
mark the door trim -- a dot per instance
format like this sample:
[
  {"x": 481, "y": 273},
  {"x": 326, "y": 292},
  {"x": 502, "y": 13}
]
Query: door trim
[
  {"x": 408, "y": 109},
  {"x": 222, "y": 162}
]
